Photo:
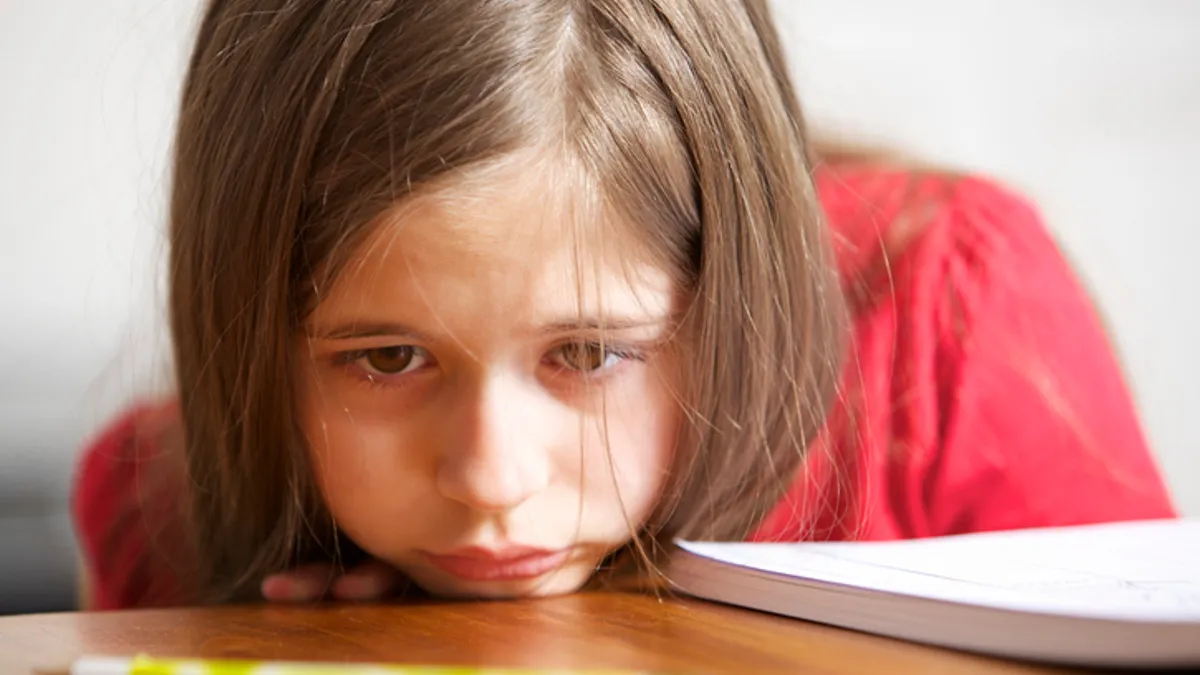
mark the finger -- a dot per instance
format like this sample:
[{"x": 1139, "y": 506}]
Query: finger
[
  {"x": 369, "y": 581},
  {"x": 302, "y": 584}
]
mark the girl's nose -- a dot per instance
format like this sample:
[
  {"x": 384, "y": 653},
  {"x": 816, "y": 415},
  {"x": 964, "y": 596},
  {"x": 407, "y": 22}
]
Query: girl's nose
[{"x": 500, "y": 453}]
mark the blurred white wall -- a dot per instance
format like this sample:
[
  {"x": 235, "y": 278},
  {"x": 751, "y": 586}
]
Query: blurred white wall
[{"x": 1089, "y": 106}]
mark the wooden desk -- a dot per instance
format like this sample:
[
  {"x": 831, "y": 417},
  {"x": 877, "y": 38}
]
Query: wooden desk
[{"x": 582, "y": 631}]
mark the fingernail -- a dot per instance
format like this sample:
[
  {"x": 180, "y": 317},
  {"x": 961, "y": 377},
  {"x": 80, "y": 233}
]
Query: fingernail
[
  {"x": 284, "y": 588},
  {"x": 359, "y": 588},
  {"x": 306, "y": 589},
  {"x": 276, "y": 587}
]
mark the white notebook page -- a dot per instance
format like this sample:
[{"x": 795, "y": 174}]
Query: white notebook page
[{"x": 1134, "y": 571}]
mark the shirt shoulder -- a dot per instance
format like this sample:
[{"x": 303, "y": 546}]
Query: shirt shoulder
[
  {"x": 125, "y": 510},
  {"x": 980, "y": 377}
]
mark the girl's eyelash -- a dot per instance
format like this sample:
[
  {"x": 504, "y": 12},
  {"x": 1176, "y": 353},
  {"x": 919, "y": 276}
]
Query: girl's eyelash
[
  {"x": 351, "y": 357},
  {"x": 349, "y": 361},
  {"x": 346, "y": 358},
  {"x": 624, "y": 352},
  {"x": 628, "y": 353}
]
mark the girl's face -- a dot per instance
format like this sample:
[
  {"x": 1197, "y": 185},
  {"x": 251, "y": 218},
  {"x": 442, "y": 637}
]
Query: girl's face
[{"x": 464, "y": 421}]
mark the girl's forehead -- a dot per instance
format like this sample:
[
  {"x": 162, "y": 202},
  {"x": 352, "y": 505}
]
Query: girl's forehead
[
  {"x": 527, "y": 195},
  {"x": 513, "y": 244},
  {"x": 526, "y": 206}
]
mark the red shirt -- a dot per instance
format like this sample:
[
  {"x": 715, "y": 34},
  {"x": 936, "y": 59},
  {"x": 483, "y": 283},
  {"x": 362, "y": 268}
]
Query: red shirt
[{"x": 981, "y": 393}]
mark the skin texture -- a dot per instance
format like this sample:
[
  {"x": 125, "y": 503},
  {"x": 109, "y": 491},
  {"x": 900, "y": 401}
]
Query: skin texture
[{"x": 471, "y": 382}]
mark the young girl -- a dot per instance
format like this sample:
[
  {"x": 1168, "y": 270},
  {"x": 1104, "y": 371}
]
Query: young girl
[{"x": 500, "y": 297}]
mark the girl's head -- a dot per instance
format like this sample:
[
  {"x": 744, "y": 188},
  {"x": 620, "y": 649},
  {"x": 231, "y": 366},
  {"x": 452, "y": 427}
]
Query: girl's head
[{"x": 452, "y": 278}]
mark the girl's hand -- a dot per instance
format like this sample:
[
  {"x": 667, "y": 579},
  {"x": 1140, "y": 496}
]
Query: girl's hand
[{"x": 372, "y": 580}]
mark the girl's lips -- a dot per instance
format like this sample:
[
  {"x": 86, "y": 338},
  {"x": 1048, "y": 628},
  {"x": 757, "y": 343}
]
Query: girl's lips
[{"x": 478, "y": 564}]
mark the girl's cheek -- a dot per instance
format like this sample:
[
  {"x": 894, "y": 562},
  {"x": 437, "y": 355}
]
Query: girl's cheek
[{"x": 639, "y": 437}]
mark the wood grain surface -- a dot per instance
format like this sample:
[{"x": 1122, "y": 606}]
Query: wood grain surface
[{"x": 597, "y": 630}]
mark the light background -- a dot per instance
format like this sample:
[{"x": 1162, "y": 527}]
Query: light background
[{"x": 1089, "y": 106}]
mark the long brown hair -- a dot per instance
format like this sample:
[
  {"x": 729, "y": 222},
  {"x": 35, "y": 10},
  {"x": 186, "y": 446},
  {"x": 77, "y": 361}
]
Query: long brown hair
[{"x": 303, "y": 120}]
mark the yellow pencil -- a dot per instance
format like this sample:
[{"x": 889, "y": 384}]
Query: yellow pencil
[{"x": 145, "y": 665}]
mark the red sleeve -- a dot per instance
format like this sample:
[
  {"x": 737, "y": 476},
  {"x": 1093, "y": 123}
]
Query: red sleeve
[
  {"x": 981, "y": 392},
  {"x": 1036, "y": 424},
  {"x": 122, "y": 517}
]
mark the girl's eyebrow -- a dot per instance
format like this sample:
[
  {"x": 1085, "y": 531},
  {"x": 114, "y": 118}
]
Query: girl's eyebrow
[
  {"x": 357, "y": 330},
  {"x": 590, "y": 324}
]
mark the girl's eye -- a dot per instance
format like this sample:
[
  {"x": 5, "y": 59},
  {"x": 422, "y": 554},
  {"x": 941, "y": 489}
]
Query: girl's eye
[
  {"x": 392, "y": 360},
  {"x": 587, "y": 357}
]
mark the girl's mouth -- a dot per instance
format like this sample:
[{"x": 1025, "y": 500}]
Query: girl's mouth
[{"x": 498, "y": 564}]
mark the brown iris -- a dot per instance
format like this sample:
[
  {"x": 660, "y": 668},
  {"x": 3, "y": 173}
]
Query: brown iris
[
  {"x": 390, "y": 360},
  {"x": 583, "y": 356}
]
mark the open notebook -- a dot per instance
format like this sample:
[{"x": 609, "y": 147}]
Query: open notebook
[{"x": 1120, "y": 594}]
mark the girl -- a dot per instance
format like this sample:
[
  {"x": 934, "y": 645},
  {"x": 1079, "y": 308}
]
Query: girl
[{"x": 500, "y": 297}]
